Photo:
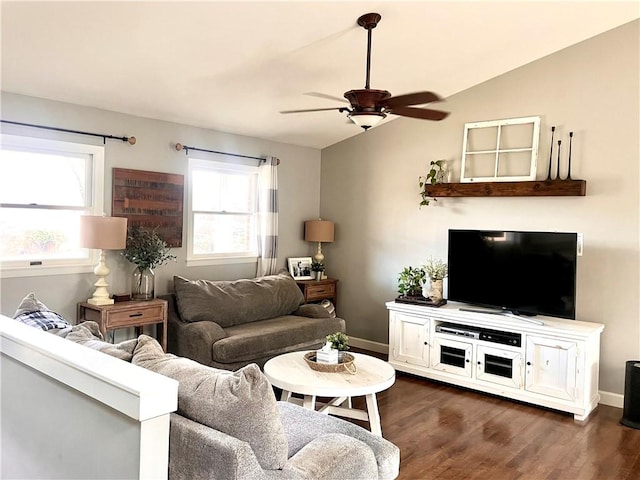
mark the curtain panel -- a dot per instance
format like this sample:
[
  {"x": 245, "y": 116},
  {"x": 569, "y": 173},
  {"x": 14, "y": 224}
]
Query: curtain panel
[{"x": 267, "y": 217}]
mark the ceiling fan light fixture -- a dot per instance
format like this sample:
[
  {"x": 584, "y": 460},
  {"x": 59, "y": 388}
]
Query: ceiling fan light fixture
[{"x": 366, "y": 120}]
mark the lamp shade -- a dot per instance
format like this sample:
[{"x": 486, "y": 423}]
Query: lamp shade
[
  {"x": 318, "y": 231},
  {"x": 104, "y": 233}
]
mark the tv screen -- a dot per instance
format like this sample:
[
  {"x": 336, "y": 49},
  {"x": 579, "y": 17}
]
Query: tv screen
[{"x": 527, "y": 273}]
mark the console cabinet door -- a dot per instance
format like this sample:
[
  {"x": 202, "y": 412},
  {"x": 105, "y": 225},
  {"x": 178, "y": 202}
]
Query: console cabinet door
[
  {"x": 452, "y": 356},
  {"x": 551, "y": 367},
  {"x": 410, "y": 339},
  {"x": 497, "y": 365}
]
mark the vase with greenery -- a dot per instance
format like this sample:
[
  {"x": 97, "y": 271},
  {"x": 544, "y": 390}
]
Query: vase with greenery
[
  {"x": 410, "y": 281},
  {"x": 147, "y": 251},
  {"x": 436, "y": 270}
]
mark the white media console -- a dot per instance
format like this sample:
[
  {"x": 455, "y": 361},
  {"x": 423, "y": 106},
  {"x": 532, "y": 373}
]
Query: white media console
[{"x": 554, "y": 364}]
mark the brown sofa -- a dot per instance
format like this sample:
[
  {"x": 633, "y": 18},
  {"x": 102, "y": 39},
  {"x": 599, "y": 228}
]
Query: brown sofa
[{"x": 230, "y": 324}]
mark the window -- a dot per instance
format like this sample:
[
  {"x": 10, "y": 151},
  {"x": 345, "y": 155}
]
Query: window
[
  {"x": 222, "y": 213},
  {"x": 500, "y": 150},
  {"x": 45, "y": 186}
]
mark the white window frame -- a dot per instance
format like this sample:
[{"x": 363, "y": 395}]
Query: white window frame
[
  {"x": 530, "y": 147},
  {"x": 194, "y": 260},
  {"x": 95, "y": 206}
]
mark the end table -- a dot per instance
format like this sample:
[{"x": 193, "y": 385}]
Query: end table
[{"x": 135, "y": 314}]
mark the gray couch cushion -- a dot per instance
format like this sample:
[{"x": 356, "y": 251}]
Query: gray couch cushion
[
  {"x": 241, "y": 404},
  {"x": 88, "y": 334},
  {"x": 229, "y": 303},
  {"x": 271, "y": 337},
  {"x": 302, "y": 426}
]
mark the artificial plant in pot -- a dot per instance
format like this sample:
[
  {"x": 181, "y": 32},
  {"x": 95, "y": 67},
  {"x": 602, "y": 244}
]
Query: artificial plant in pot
[
  {"x": 436, "y": 270},
  {"x": 318, "y": 269},
  {"x": 147, "y": 251},
  {"x": 410, "y": 282},
  {"x": 339, "y": 341}
]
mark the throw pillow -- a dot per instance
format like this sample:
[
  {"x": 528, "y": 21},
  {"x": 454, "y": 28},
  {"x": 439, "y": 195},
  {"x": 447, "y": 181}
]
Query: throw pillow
[
  {"x": 34, "y": 313},
  {"x": 30, "y": 304},
  {"x": 229, "y": 303},
  {"x": 329, "y": 307},
  {"x": 241, "y": 404},
  {"x": 46, "y": 320}
]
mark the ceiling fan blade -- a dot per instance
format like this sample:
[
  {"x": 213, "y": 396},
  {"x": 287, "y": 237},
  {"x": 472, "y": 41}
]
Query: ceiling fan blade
[
  {"x": 422, "y": 113},
  {"x": 315, "y": 110},
  {"x": 417, "y": 98},
  {"x": 328, "y": 97}
]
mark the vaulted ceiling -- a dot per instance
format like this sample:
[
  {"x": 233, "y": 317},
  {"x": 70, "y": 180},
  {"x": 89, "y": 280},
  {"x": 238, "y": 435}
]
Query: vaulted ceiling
[{"x": 233, "y": 66}]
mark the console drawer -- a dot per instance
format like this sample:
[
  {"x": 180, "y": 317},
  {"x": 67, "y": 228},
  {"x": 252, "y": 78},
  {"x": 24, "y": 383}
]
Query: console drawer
[
  {"x": 315, "y": 292},
  {"x": 141, "y": 315}
]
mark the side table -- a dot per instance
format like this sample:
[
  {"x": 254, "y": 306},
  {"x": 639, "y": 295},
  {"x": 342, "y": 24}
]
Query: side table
[
  {"x": 127, "y": 314},
  {"x": 317, "y": 290}
]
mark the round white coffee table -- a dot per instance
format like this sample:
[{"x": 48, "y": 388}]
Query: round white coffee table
[{"x": 291, "y": 373}]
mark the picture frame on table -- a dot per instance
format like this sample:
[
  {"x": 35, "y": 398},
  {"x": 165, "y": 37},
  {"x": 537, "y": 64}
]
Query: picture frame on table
[{"x": 300, "y": 268}]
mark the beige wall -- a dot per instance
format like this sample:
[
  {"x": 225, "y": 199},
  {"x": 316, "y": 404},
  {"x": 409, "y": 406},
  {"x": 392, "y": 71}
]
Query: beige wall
[
  {"x": 298, "y": 177},
  {"x": 369, "y": 188}
]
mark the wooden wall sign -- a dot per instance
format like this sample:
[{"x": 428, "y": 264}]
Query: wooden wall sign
[{"x": 151, "y": 200}]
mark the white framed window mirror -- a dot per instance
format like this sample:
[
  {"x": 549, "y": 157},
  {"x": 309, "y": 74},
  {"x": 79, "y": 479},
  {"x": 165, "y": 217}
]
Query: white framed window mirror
[{"x": 500, "y": 150}]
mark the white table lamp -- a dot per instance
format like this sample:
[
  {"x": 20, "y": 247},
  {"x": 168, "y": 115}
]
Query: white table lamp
[
  {"x": 319, "y": 231},
  {"x": 103, "y": 233}
]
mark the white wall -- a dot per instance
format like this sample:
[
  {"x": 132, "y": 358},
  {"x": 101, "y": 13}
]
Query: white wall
[
  {"x": 369, "y": 188},
  {"x": 298, "y": 178}
]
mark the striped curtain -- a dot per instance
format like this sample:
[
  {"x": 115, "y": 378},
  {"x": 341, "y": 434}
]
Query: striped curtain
[{"x": 267, "y": 217}]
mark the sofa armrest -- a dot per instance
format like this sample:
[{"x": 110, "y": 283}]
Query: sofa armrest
[
  {"x": 312, "y": 310},
  {"x": 332, "y": 456},
  {"x": 199, "y": 452},
  {"x": 191, "y": 340}
]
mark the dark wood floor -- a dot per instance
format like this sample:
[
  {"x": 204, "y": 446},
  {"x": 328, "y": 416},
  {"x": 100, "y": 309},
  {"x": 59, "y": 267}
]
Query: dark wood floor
[{"x": 449, "y": 433}]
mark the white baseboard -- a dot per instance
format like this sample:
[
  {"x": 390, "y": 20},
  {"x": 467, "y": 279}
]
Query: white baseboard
[
  {"x": 611, "y": 399},
  {"x": 368, "y": 345},
  {"x": 606, "y": 398}
]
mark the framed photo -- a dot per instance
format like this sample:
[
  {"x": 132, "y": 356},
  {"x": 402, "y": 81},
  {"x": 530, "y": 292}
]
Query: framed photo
[{"x": 300, "y": 268}]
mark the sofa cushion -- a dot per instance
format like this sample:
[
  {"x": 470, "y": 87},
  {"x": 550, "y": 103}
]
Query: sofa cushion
[
  {"x": 272, "y": 337},
  {"x": 241, "y": 404},
  {"x": 229, "y": 303},
  {"x": 302, "y": 426},
  {"x": 88, "y": 334}
]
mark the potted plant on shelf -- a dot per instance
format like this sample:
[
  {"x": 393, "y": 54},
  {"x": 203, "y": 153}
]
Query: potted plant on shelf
[
  {"x": 436, "y": 270},
  {"x": 435, "y": 175},
  {"x": 147, "y": 251},
  {"x": 410, "y": 282},
  {"x": 318, "y": 269}
]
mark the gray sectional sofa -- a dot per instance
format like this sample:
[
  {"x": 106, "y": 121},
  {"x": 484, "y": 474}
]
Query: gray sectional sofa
[
  {"x": 230, "y": 324},
  {"x": 230, "y": 426}
]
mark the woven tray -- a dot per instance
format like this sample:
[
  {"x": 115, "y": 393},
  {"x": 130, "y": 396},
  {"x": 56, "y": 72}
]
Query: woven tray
[{"x": 346, "y": 365}]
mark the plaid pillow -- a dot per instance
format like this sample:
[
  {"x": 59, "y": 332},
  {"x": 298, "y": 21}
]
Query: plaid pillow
[{"x": 46, "y": 320}]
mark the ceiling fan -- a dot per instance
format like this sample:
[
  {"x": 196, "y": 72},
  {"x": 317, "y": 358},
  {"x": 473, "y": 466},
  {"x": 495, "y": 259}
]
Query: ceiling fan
[{"x": 369, "y": 106}]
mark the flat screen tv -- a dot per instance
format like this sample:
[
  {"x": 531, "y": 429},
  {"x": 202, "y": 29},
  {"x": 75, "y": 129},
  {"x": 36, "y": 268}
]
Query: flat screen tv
[{"x": 526, "y": 273}]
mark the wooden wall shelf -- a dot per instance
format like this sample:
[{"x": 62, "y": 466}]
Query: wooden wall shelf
[{"x": 545, "y": 188}]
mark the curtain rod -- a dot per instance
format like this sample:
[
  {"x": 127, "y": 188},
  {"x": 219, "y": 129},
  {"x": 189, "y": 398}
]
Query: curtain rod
[
  {"x": 131, "y": 140},
  {"x": 186, "y": 149}
]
